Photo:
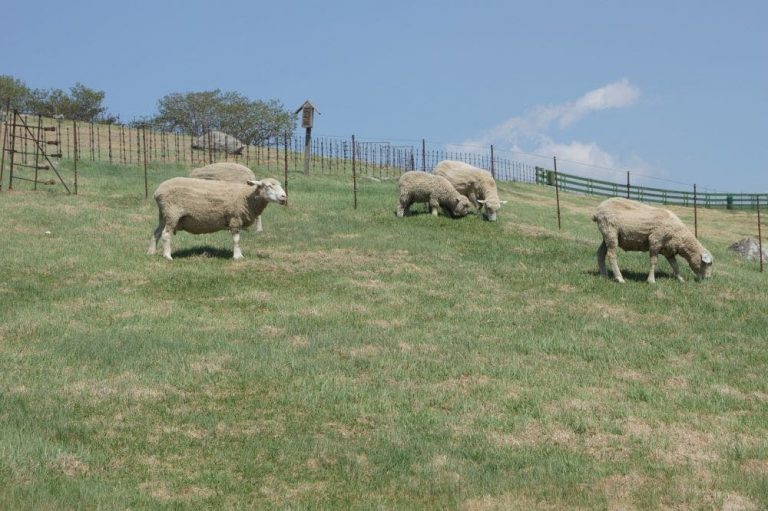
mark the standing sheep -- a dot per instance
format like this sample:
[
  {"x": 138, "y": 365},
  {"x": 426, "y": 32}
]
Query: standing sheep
[
  {"x": 476, "y": 184},
  {"x": 227, "y": 171},
  {"x": 637, "y": 227},
  {"x": 201, "y": 206},
  {"x": 435, "y": 190}
]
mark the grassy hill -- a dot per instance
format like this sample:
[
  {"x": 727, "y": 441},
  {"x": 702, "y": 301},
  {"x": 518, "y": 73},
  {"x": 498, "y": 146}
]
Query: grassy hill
[{"x": 359, "y": 360}]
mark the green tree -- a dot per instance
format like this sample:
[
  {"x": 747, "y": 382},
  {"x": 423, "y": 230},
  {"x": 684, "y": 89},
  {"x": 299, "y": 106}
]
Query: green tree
[
  {"x": 80, "y": 104},
  {"x": 195, "y": 113},
  {"x": 13, "y": 93}
]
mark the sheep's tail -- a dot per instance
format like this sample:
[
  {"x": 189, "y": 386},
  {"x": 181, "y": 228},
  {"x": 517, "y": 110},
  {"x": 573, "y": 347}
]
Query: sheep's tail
[{"x": 594, "y": 217}]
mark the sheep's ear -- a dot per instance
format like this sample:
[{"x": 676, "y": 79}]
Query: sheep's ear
[
  {"x": 255, "y": 183},
  {"x": 706, "y": 258},
  {"x": 504, "y": 201},
  {"x": 481, "y": 201}
]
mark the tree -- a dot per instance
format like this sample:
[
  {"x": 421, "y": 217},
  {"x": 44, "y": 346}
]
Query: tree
[
  {"x": 81, "y": 104},
  {"x": 196, "y": 113},
  {"x": 13, "y": 93}
]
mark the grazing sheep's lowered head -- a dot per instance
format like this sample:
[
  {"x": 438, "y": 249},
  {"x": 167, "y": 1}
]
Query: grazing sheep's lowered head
[
  {"x": 475, "y": 183},
  {"x": 638, "y": 227}
]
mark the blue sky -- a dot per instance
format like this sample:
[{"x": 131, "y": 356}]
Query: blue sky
[{"x": 676, "y": 91}]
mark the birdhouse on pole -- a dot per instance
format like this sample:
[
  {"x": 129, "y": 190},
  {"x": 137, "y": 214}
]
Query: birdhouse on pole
[{"x": 307, "y": 120}]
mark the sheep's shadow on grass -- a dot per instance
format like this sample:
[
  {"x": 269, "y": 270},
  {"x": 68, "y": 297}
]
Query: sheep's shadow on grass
[
  {"x": 634, "y": 276},
  {"x": 203, "y": 251}
]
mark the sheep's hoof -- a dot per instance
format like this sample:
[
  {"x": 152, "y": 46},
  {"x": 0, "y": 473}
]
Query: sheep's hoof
[
  {"x": 620, "y": 280},
  {"x": 169, "y": 258},
  {"x": 237, "y": 257}
]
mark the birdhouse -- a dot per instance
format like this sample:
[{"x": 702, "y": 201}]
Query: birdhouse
[{"x": 307, "y": 114}]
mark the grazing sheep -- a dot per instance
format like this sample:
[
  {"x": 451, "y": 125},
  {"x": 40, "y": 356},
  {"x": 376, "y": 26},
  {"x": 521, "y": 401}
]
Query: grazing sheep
[
  {"x": 201, "y": 206},
  {"x": 637, "y": 227},
  {"x": 227, "y": 171},
  {"x": 476, "y": 184},
  {"x": 435, "y": 190}
]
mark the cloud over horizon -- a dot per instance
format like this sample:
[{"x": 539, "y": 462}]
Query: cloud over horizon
[{"x": 532, "y": 131}]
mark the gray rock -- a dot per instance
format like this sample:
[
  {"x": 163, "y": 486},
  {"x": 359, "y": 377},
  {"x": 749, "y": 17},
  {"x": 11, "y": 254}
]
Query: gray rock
[
  {"x": 749, "y": 248},
  {"x": 219, "y": 141}
]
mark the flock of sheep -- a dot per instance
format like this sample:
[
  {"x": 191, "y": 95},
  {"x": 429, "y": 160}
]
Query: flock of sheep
[{"x": 228, "y": 196}]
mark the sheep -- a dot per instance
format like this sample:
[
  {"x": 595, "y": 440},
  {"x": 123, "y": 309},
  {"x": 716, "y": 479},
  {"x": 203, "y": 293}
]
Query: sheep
[
  {"x": 476, "y": 184},
  {"x": 638, "y": 227},
  {"x": 201, "y": 206},
  {"x": 224, "y": 171},
  {"x": 227, "y": 171},
  {"x": 437, "y": 191}
]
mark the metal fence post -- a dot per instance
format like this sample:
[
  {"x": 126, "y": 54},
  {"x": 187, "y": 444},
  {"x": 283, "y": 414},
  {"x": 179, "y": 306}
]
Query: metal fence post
[
  {"x": 557, "y": 192},
  {"x": 759, "y": 232}
]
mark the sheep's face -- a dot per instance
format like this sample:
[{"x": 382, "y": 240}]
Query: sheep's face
[
  {"x": 490, "y": 208},
  {"x": 701, "y": 264},
  {"x": 270, "y": 189},
  {"x": 462, "y": 206}
]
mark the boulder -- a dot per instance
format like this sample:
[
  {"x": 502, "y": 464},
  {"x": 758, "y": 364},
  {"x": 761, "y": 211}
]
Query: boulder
[
  {"x": 219, "y": 141},
  {"x": 748, "y": 248}
]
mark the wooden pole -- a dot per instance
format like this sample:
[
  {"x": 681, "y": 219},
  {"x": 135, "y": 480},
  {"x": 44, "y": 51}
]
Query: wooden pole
[
  {"x": 307, "y": 149},
  {"x": 557, "y": 192}
]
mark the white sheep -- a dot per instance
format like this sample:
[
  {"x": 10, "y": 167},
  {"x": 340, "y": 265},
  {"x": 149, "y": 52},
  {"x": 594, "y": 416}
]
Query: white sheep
[
  {"x": 437, "y": 191},
  {"x": 227, "y": 171},
  {"x": 637, "y": 227},
  {"x": 224, "y": 171},
  {"x": 476, "y": 184},
  {"x": 201, "y": 206}
]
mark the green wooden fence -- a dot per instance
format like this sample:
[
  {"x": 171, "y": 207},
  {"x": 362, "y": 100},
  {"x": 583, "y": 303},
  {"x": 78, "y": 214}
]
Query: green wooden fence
[{"x": 591, "y": 186}]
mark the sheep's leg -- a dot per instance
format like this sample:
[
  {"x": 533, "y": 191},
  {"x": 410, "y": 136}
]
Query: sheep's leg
[
  {"x": 611, "y": 255},
  {"x": 236, "y": 252},
  {"x": 675, "y": 268},
  {"x": 156, "y": 235},
  {"x": 258, "y": 224},
  {"x": 652, "y": 273},
  {"x": 166, "y": 236},
  {"x": 433, "y": 206},
  {"x": 155, "y": 238},
  {"x": 402, "y": 207},
  {"x": 601, "y": 250}
]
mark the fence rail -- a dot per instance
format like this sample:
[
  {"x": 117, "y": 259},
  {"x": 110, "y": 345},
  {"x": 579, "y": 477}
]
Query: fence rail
[
  {"x": 123, "y": 145},
  {"x": 578, "y": 184}
]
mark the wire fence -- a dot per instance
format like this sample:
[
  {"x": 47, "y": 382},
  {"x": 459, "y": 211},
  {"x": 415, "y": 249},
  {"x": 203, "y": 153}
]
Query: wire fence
[{"x": 131, "y": 146}]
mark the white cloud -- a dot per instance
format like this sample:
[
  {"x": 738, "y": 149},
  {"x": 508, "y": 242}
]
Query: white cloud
[{"x": 529, "y": 133}]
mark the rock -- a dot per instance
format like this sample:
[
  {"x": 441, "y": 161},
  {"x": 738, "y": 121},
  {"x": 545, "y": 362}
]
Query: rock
[
  {"x": 748, "y": 248},
  {"x": 220, "y": 142}
]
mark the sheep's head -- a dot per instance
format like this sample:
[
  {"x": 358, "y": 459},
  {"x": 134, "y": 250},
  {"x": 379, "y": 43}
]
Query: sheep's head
[
  {"x": 461, "y": 206},
  {"x": 270, "y": 189},
  {"x": 701, "y": 264},
  {"x": 491, "y": 207}
]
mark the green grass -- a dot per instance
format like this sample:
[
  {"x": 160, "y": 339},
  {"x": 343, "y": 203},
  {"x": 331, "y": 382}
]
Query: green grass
[{"x": 359, "y": 360}]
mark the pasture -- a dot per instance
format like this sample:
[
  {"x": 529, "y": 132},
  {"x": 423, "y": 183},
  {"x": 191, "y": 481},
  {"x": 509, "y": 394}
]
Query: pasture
[{"x": 355, "y": 360}]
